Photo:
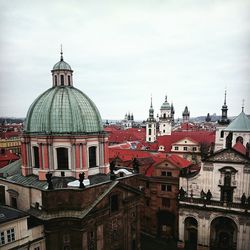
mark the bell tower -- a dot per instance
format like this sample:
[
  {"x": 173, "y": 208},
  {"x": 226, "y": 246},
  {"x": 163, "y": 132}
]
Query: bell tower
[{"x": 151, "y": 125}]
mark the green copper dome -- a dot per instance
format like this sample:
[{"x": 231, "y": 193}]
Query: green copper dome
[
  {"x": 62, "y": 65},
  {"x": 63, "y": 110},
  {"x": 165, "y": 105}
]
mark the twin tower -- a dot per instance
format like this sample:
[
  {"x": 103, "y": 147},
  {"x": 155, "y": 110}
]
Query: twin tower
[{"x": 165, "y": 121}]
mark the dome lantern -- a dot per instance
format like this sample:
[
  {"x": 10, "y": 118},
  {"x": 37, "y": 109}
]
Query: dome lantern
[{"x": 62, "y": 74}]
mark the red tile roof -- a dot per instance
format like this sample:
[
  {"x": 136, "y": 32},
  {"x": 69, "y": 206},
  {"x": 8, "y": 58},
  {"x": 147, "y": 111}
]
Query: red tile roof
[
  {"x": 132, "y": 134},
  {"x": 240, "y": 148},
  {"x": 7, "y": 157},
  {"x": 198, "y": 136}
]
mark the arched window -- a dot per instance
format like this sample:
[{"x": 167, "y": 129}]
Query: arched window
[
  {"x": 69, "y": 80},
  {"x": 92, "y": 157},
  {"x": 62, "y": 158},
  {"x": 62, "y": 80},
  {"x": 239, "y": 139},
  {"x": 55, "y": 80},
  {"x": 36, "y": 156},
  {"x": 223, "y": 233},
  {"x": 191, "y": 233},
  {"x": 164, "y": 115}
]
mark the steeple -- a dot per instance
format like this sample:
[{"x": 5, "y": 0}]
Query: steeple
[
  {"x": 61, "y": 54},
  {"x": 185, "y": 115},
  {"x": 224, "y": 109},
  {"x": 151, "y": 110}
]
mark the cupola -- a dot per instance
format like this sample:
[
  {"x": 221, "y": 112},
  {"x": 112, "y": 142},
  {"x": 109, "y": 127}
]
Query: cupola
[{"x": 62, "y": 74}]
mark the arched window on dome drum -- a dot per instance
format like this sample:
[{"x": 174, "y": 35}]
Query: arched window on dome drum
[
  {"x": 62, "y": 80},
  {"x": 36, "y": 156},
  {"x": 92, "y": 157},
  {"x": 69, "y": 80},
  {"x": 62, "y": 158},
  {"x": 55, "y": 80}
]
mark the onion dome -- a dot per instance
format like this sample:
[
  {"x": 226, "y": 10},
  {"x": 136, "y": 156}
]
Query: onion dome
[
  {"x": 165, "y": 105},
  {"x": 63, "y": 109}
]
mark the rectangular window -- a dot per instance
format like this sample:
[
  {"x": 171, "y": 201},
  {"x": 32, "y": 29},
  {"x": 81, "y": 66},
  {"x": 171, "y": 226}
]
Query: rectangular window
[
  {"x": 169, "y": 173},
  {"x": 169, "y": 188},
  {"x": 165, "y": 202},
  {"x": 185, "y": 148},
  {"x": 149, "y": 139},
  {"x": 163, "y": 173},
  {"x": 176, "y": 148},
  {"x": 114, "y": 204},
  {"x": 149, "y": 131},
  {"x": 2, "y": 239},
  {"x": 10, "y": 235},
  {"x": 194, "y": 148},
  {"x": 13, "y": 202},
  {"x": 163, "y": 187}
]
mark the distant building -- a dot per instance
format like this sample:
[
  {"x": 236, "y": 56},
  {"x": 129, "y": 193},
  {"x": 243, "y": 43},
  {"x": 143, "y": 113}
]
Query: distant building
[
  {"x": 151, "y": 125},
  {"x": 128, "y": 121},
  {"x": 166, "y": 118},
  {"x": 185, "y": 115}
]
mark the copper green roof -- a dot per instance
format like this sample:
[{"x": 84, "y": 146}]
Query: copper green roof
[
  {"x": 62, "y": 65},
  {"x": 165, "y": 105},
  {"x": 240, "y": 123},
  {"x": 63, "y": 110}
]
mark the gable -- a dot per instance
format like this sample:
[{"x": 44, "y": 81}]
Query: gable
[
  {"x": 228, "y": 155},
  {"x": 186, "y": 141}
]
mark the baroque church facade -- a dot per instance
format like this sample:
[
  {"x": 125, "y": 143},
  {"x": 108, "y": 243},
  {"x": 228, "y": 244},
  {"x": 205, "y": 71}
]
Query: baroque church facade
[{"x": 214, "y": 204}]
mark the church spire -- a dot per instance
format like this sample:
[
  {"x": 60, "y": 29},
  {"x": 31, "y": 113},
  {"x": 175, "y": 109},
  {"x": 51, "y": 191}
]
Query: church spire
[
  {"x": 243, "y": 104},
  {"x": 224, "y": 109},
  {"x": 61, "y": 54}
]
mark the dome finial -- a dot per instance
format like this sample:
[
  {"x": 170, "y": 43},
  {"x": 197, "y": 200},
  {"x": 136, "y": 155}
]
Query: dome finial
[
  {"x": 225, "y": 99},
  {"x": 151, "y": 105},
  {"x": 61, "y": 53},
  {"x": 243, "y": 104}
]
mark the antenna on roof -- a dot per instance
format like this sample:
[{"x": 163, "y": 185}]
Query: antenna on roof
[
  {"x": 61, "y": 53},
  {"x": 243, "y": 104}
]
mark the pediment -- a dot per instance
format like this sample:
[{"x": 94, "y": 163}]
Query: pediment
[
  {"x": 228, "y": 155},
  {"x": 185, "y": 141}
]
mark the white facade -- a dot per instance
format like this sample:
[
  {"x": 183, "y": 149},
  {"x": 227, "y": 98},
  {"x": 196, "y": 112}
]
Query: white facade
[
  {"x": 226, "y": 174},
  {"x": 151, "y": 131}
]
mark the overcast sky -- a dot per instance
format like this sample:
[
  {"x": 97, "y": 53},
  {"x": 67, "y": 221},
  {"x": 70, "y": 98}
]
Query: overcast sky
[{"x": 124, "y": 51}]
